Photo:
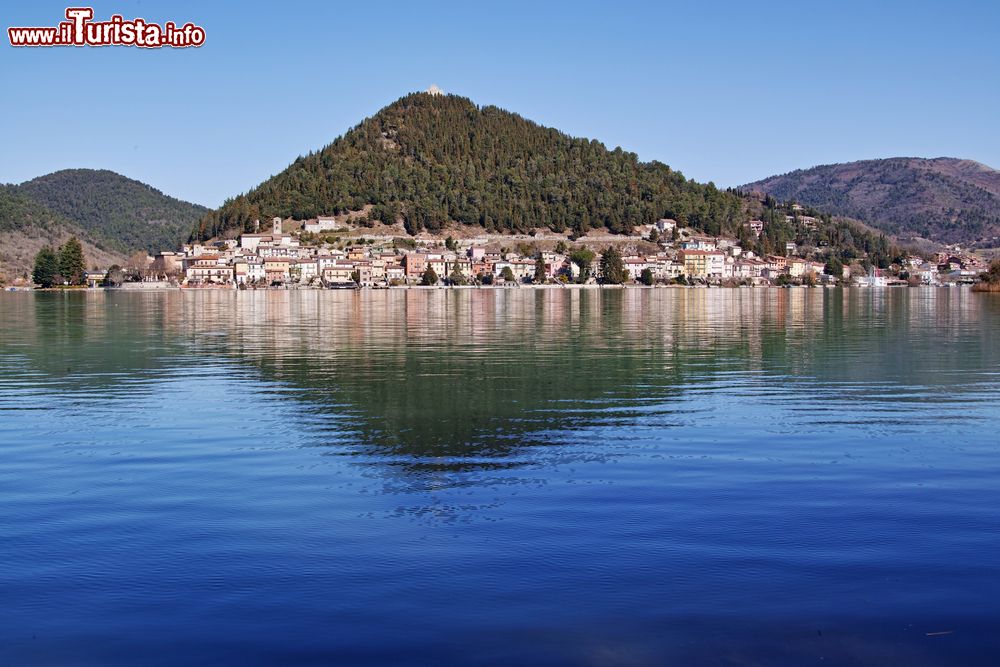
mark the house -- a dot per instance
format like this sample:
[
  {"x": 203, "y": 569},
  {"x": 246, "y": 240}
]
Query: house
[
  {"x": 394, "y": 273},
  {"x": 756, "y": 227},
  {"x": 634, "y": 266},
  {"x": 776, "y": 264},
  {"x": 94, "y": 278},
  {"x": 438, "y": 265},
  {"x": 321, "y": 224},
  {"x": 249, "y": 270},
  {"x": 748, "y": 269},
  {"x": 665, "y": 225},
  {"x": 207, "y": 269},
  {"x": 708, "y": 264},
  {"x": 339, "y": 273},
  {"x": 521, "y": 268},
  {"x": 364, "y": 274},
  {"x": 415, "y": 263},
  {"x": 304, "y": 270},
  {"x": 926, "y": 273},
  {"x": 796, "y": 267},
  {"x": 699, "y": 243},
  {"x": 461, "y": 265},
  {"x": 276, "y": 269}
]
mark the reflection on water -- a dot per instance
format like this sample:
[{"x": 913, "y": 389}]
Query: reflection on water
[{"x": 637, "y": 476}]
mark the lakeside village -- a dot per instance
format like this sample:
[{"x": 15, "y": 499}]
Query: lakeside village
[
  {"x": 318, "y": 254},
  {"x": 313, "y": 256}
]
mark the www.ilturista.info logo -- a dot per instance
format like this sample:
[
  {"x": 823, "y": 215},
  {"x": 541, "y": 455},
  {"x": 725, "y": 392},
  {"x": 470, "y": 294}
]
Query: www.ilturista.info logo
[{"x": 81, "y": 30}]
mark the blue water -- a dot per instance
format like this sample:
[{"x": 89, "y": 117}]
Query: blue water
[{"x": 647, "y": 477}]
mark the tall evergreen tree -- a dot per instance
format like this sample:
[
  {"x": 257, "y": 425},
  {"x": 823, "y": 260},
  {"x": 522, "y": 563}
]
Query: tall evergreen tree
[
  {"x": 71, "y": 262},
  {"x": 46, "y": 267},
  {"x": 612, "y": 267},
  {"x": 539, "y": 270}
]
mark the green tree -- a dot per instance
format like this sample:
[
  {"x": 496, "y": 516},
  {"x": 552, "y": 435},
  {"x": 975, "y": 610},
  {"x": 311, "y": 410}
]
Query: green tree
[
  {"x": 646, "y": 277},
  {"x": 46, "y": 267},
  {"x": 507, "y": 274},
  {"x": 450, "y": 244},
  {"x": 457, "y": 277},
  {"x": 654, "y": 235},
  {"x": 72, "y": 265},
  {"x": 834, "y": 267},
  {"x": 429, "y": 277},
  {"x": 539, "y": 270},
  {"x": 584, "y": 259},
  {"x": 612, "y": 267}
]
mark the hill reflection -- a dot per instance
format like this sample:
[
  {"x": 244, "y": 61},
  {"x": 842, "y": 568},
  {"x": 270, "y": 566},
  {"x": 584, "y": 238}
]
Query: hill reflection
[{"x": 460, "y": 378}]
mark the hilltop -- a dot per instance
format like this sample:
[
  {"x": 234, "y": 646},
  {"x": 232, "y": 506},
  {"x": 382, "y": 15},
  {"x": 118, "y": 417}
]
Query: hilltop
[
  {"x": 428, "y": 160},
  {"x": 946, "y": 200},
  {"x": 120, "y": 213}
]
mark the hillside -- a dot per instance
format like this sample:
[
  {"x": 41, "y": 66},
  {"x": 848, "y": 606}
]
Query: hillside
[
  {"x": 26, "y": 226},
  {"x": 120, "y": 213},
  {"x": 943, "y": 199},
  {"x": 428, "y": 160}
]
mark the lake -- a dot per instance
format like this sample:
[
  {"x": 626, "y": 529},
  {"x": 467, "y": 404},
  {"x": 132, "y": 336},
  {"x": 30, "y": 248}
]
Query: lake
[{"x": 578, "y": 476}]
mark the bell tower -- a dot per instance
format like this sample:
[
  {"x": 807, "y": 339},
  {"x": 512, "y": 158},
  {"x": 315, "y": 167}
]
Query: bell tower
[{"x": 277, "y": 226}]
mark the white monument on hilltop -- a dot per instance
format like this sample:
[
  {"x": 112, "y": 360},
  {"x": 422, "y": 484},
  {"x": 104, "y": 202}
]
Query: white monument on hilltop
[{"x": 434, "y": 90}]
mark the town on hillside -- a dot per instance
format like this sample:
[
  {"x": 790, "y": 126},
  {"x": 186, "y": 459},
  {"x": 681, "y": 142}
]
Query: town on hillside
[{"x": 327, "y": 253}]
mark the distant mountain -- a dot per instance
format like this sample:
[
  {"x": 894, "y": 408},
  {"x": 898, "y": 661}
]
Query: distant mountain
[
  {"x": 122, "y": 214},
  {"x": 26, "y": 226},
  {"x": 431, "y": 159},
  {"x": 946, "y": 200}
]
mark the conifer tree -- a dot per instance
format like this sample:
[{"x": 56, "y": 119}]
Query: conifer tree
[
  {"x": 72, "y": 265},
  {"x": 46, "y": 267},
  {"x": 612, "y": 267}
]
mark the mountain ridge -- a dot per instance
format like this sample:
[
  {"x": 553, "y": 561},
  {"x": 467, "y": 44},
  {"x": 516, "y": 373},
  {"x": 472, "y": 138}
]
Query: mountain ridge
[{"x": 946, "y": 200}]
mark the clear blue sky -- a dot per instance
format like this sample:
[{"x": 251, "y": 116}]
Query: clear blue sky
[{"x": 723, "y": 91}]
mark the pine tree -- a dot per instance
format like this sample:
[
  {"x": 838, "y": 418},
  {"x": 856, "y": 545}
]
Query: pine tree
[
  {"x": 46, "y": 267},
  {"x": 612, "y": 267},
  {"x": 539, "y": 270},
  {"x": 71, "y": 262}
]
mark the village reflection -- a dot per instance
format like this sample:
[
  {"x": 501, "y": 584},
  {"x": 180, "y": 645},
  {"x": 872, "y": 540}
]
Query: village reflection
[{"x": 466, "y": 378}]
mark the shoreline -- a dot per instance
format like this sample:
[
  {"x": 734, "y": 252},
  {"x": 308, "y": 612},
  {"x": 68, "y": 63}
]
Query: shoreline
[{"x": 978, "y": 287}]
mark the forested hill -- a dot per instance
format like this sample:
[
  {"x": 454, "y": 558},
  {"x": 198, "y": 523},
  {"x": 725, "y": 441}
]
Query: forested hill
[
  {"x": 943, "y": 199},
  {"x": 431, "y": 159},
  {"x": 121, "y": 213},
  {"x": 26, "y": 226}
]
